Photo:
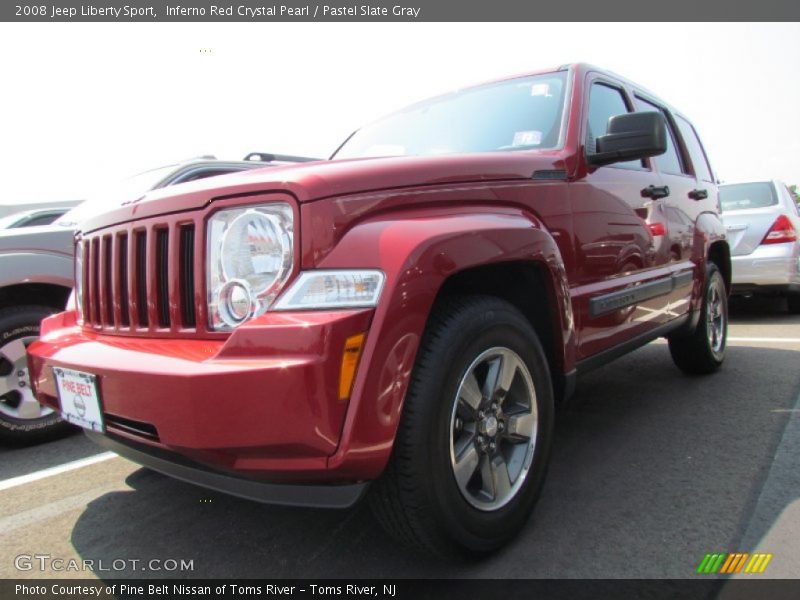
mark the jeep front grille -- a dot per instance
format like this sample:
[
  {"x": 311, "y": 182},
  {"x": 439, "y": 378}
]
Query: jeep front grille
[{"x": 141, "y": 278}]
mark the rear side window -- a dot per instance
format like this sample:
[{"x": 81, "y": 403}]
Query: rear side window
[
  {"x": 747, "y": 195},
  {"x": 605, "y": 102},
  {"x": 695, "y": 149},
  {"x": 670, "y": 161}
]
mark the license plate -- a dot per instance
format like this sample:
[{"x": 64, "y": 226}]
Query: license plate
[{"x": 80, "y": 403}]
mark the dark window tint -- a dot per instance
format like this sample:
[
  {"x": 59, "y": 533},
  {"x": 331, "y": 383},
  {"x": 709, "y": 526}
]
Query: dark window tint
[
  {"x": 670, "y": 161},
  {"x": 747, "y": 195},
  {"x": 40, "y": 220},
  {"x": 605, "y": 102},
  {"x": 695, "y": 149}
]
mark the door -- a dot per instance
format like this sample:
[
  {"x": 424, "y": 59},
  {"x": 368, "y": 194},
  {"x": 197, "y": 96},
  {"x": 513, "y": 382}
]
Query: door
[
  {"x": 678, "y": 208},
  {"x": 622, "y": 279},
  {"x": 703, "y": 197}
]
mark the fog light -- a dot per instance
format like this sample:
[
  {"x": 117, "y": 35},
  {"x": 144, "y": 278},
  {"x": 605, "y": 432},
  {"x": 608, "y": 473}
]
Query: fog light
[{"x": 235, "y": 302}]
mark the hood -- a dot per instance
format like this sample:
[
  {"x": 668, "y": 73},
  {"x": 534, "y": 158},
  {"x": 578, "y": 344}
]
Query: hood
[
  {"x": 317, "y": 180},
  {"x": 47, "y": 239}
]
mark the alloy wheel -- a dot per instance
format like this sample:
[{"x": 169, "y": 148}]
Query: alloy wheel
[
  {"x": 16, "y": 396},
  {"x": 493, "y": 429},
  {"x": 715, "y": 317}
]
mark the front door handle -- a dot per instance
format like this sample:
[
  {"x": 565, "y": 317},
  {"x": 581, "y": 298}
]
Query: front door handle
[
  {"x": 698, "y": 194},
  {"x": 655, "y": 191}
]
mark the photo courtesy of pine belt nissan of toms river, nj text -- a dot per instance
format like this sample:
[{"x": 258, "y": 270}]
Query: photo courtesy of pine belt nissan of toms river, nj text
[{"x": 399, "y": 322}]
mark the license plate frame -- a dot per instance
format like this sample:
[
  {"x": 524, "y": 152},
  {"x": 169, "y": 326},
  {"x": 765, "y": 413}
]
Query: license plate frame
[{"x": 79, "y": 398}]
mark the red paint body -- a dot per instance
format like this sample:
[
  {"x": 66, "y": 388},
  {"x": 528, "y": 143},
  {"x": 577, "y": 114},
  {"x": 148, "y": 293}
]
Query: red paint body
[{"x": 262, "y": 400}]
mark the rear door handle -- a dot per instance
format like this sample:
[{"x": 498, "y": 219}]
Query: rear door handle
[
  {"x": 655, "y": 191},
  {"x": 698, "y": 194}
]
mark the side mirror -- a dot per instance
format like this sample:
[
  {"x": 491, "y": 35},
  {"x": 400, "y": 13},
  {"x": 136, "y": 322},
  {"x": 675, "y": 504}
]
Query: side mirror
[{"x": 631, "y": 136}]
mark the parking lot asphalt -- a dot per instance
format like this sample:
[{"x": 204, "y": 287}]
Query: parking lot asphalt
[{"x": 650, "y": 471}]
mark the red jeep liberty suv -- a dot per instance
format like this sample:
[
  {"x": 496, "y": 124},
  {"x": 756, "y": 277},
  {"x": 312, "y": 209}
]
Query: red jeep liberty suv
[{"x": 400, "y": 319}]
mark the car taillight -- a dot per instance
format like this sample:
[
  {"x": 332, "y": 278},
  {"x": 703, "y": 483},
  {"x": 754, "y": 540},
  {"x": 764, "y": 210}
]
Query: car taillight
[{"x": 781, "y": 231}]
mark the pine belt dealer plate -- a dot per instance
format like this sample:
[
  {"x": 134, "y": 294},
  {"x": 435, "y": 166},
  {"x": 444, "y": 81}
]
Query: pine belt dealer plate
[{"x": 80, "y": 403}]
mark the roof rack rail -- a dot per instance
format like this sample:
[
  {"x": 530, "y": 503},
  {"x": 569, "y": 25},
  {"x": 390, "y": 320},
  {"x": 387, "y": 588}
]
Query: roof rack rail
[{"x": 270, "y": 157}]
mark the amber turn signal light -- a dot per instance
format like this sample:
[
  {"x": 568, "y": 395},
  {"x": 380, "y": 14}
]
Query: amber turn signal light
[{"x": 352, "y": 353}]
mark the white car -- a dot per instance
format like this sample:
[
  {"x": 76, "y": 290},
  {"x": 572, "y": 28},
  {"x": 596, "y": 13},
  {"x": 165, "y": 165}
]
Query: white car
[{"x": 763, "y": 221}]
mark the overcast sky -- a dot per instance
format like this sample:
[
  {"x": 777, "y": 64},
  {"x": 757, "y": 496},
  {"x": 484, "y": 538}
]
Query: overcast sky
[{"x": 85, "y": 104}]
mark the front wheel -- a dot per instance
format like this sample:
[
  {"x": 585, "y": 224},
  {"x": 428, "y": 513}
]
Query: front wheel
[
  {"x": 703, "y": 351},
  {"x": 471, "y": 449},
  {"x": 23, "y": 420}
]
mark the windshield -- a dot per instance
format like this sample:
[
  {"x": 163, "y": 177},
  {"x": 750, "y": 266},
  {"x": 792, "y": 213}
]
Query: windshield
[
  {"x": 520, "y": 114},
  {"x": 746, "y": 195},
  {"x": 9, "y": 220},
  {"x": 112, "y": 196}
]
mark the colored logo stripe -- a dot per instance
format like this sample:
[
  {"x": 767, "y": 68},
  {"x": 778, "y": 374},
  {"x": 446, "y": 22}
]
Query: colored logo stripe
[
  {"x": 758, "y": 563},
  {"x": 733, "y": 562}
]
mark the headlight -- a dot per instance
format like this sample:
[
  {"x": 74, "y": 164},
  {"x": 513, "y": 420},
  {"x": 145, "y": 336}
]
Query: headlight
[
  {"x": 249, "y": 259},
  {"x": 351, "y": 288},
  {"x": 78, "y": 290}
]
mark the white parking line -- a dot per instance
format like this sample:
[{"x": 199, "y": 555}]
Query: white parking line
[
  {"x": 766, "y": 340},
  {"x": 753, "y": 340},
  {"x": 57, "y": 470},
  {"x": 97, "y": 458}
]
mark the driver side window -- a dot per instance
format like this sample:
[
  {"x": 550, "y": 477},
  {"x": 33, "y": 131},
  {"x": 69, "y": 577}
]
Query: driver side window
[{"x": 606, "y": 102}]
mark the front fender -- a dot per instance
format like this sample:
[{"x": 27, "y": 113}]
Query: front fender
[
  {"x": 418, "y": 255},
  {"x": 709, "y": 230},
  {"x": 35, "y": 267}
]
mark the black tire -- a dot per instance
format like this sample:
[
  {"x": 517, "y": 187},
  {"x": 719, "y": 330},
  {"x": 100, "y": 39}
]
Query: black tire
[
  {"x": 703, "y": 351},
  {"x": 22, "y": 323},
  {"x": 793, "y": 304},
  {"x": 417, "y": 499}
]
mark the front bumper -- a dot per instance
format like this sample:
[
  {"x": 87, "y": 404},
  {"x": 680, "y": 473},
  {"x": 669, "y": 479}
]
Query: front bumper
[
  {"x": 262, "y": 404},
  {"x": 768, "y": 265},
  {"x": 310, "y": 495}
]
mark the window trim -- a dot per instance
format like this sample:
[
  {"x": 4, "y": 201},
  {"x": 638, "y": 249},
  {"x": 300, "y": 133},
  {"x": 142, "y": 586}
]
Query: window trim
[
  {"x": 592, "y": 79},
  {"x": 691, "y": 126},
  {"x": 686, "y": 165}
]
